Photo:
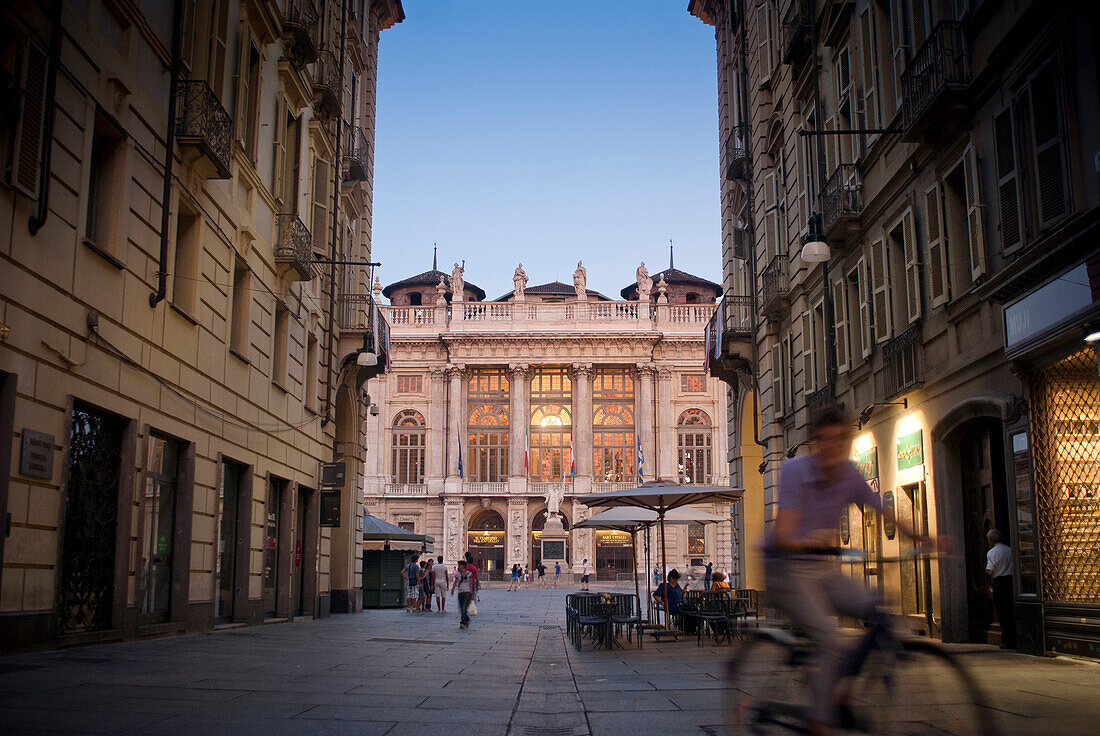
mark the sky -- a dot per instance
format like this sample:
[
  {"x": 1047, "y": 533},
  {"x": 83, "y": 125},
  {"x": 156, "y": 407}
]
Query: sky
[{"x": 547, "y": 132}]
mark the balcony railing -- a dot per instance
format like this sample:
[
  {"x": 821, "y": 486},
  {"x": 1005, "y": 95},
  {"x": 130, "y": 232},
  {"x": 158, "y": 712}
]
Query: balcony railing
[
  {"x": 818, "y": 400},
  {"x": 479, "y": 488},
  {"x": 300, "y": 31},
  {"x": 360, "y": 313},
  {"x": 327, "y": 80},
  {"x": 355, "y": 153},
  {"x": 404, "y": 489},
  {"x": 541, "y": 488},
  {"x": 728, "y": 338},
  {"x": 794, "y": 35},
  {"x": 411, "y": 316},
  {"x": 608, "y": 486},
  {"x": 900, "y": 362},
  {"x": 736, "y": 152},
  {"x": 775, "y": 286},
  {"x": 202, "y": 122},
  {"x": 841, "y": 198},
  {"x": 293, "y": 246},
  {"x": 939, "y": 69}
]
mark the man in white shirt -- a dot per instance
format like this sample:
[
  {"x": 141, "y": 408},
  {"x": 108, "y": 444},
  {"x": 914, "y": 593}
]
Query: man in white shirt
[
  {"x": 585, "y": 572},
  {"x": 440, "y": 577},
  {"x": 998, "y": 566}
]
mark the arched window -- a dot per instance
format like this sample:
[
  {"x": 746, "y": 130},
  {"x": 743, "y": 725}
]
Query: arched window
[
  {"x": 550, "y": 431},
  {"x": 407, "y": 443},
  {"x": 486, "y": 520},
  {"x": 487, "y": 426},
  {"x": 613, "y": 450},
  {"x": 693, "y": 442}
]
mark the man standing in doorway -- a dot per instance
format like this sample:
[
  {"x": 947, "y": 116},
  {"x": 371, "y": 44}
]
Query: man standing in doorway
[
  {"x": 998, "y": 566},
  {"x": 440, "y": 575}
]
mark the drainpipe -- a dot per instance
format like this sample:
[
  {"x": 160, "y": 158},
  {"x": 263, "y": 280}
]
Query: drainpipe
[
  {"x": 169, "y": 158},
  {"x": 336, "y": 181},
  {"x": 38, "y": 219}
]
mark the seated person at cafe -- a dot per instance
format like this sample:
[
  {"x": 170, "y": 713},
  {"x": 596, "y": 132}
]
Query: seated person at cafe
[
  {"x": 675, "y": 592},
  {"x": 719, "y": 582}
]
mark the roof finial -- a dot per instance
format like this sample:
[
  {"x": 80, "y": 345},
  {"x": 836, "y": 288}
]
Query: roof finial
[
  {"x": 670, "y": 254},
  {"x": 435, "y": 266}
]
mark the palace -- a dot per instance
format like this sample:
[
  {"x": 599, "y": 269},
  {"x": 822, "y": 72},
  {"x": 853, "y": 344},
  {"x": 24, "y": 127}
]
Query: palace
[{"x": 493, "y": 408}]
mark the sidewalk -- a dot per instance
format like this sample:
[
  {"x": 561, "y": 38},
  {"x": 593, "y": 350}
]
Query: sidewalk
[{"x": 394, "y": 673}]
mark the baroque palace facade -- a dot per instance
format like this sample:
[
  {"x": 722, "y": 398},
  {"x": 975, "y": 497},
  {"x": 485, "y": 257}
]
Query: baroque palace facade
[
  {"x": 183, "y": 317},
  {"x": 493, "y": 407},
  {"x": 944, "y": 151}
]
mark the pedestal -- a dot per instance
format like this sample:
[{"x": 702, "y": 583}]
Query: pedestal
[{"x": 553, "y": 541}]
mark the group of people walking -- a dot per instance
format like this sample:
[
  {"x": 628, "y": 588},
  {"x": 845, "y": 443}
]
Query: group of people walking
[
  {"x": 423, "y": 579},
  {"x": 521, "y": 575}
]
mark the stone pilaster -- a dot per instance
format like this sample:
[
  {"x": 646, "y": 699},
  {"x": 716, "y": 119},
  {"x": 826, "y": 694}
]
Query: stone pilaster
[
  {"x": 517, "y": 545},
  {"x": 667, "y": 466},
  {"x": 582, "y": 418},
  {"x": 456, "y": 427},
  {"x": 453, "y": 531},
  {"x": 645, "y": 421},
  {"x": 518, "y": 418},
  {"x": 583, "y": 540},
  {"x": 437, "y": 430}
]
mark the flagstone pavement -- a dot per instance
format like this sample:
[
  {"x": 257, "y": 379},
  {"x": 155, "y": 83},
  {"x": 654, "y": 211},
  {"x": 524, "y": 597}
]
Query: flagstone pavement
[{"x": 391, "y": 673}]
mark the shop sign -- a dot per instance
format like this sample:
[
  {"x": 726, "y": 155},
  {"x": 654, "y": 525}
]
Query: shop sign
[
  {"x": 36, "y": 454},
  {"x": 162, "y": 544},
  {"x": 610, "y": 537},
  {"x": 333, "y": 474},
  {"x": 888, "y": 511},
  {"x": 910, "y": 451},
  {"x": 330, "y": 509},
  {"x": 486, "y": 537},
  {"x": 1046, "y": 306}
]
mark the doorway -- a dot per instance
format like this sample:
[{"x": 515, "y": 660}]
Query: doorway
[
  {"x": 985, "y": 507},
  {"x": 297, "y": 569},
  {"x": 916, "y": 585},
  {"x": 158, "y": 529},
  {"x": 273, "y": 545},
  {"x": 485, "y": 541},
  {"x": 231, "y": 549}
]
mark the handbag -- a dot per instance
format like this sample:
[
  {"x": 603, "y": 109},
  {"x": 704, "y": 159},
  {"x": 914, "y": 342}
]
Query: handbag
[{"x": 472, "y": 608}]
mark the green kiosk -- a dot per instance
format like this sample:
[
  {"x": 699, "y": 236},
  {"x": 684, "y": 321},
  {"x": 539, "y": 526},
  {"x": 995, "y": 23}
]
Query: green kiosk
[{"x": 386, "y": 550}]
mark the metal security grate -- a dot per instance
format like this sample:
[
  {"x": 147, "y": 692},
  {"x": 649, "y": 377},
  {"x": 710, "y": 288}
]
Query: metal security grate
[{"x": 1065, "y": 419}]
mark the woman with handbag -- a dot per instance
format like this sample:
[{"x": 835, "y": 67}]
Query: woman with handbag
[{"x": 463, "y": 585}]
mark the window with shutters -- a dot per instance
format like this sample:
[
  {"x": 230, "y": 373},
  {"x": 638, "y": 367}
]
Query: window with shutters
[
  {"x": 203, "y": 50},
  {"x": 767, "y": 40},
  {"x": 955, "y": 234},
  {"x": 817, "y": 343},
  {"x": 312, "y": 363},
  {"x": 248, "y": 95},
  {"x": 859, "y": 313},
  {"x": 903, "y": 268},
  {"x": 786, "y": 353},
  {"x": 773, "y": 238},
  {"x": 28, "y": 139},
  {"x": 880, "y": 291},
  {"x": 869, "y": 114},
  {"x": 1048, "y": 145},
  {"x": 939, "y": 281},
  {"x": 900, "y": 46},
  {"x": 1008, "y": 179},
  {"x": 105, "y": 206},
  {"x": 807, "y": 355},
  {"x": 806, "y": 188},
  {"x": 185, "y": 265},
  {"x": 779, "y": 395},
  {"x": 847, "y": 145},
  {"x": 974, "y": 232},
  {"x": 240, "y": 317},
  {"x": 320, "y": 224},
  {"x": 841, "y": 322}
]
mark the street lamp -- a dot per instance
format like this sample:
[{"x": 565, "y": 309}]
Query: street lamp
[{"x": 814, "y": 248}]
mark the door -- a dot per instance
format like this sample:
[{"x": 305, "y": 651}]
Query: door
[
  {"x": 915, "y": 573},
  {"x": 86, "y": 583},
  {"x": 158, "y": 525},
  {"x": 297, "y": 567},
  {"x": 225, "y": 563},
  {"x": 985, "y": 507},
  {"x": 272, "y": 541}
]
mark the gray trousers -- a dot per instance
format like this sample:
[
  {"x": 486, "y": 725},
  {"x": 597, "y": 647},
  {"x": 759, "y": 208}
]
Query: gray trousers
[{"x": 811, "y": 593}]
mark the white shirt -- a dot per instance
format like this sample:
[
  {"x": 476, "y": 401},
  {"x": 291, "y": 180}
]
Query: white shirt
[
  {"x": 998, "y": 560},
  {"x": 585, "y": 569},
  {"x": 442, "y": 574}
]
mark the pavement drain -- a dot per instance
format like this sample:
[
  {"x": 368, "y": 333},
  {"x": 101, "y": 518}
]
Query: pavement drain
[{"x": 548, "y": 731}]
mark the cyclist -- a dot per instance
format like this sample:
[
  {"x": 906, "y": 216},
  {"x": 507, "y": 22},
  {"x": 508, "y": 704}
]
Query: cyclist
[{"x": 814, "y": 490}]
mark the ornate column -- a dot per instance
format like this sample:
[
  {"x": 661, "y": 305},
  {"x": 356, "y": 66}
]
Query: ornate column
[
  {"x": 644, "y": 424},
  {"x": 456, "y": 427},
  {"x": 518, "y": 418},
  {"x": 666, "y": 427},
  {"x": 454, "y": 526},
  {"x": 582, "y": 426},
  {"x": 517, "y": 543},
  {"x": 437, "y": 430}
]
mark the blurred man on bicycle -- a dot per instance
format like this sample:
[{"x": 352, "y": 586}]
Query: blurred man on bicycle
[{"x": 802, "y": 580}]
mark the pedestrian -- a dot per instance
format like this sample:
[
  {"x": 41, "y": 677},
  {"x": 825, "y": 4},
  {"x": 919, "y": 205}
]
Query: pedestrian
[
  {"x": 425, "y": 586},
  {"x": 514, "y": 584},
  {"x": 464, "y": 585},
  {"x": 542, "y": 574},
  {"x": 557, "y": 573},
  {"x": 998, "y": 566},
  {"x": 586, "y": 570},
  {"x": 475, "y": 578},
  {"x": 708, "y": 575},
  {"x": 719, "y": 582},
  {"x": 440, "y": 575},
  {"x": 410, "y": 575},
  {"x": 656, "y": 576},
  {"x": 527, "y": 577}
]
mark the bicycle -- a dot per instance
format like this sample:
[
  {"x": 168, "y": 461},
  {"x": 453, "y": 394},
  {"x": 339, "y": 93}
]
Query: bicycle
[{"x": 894, "y": 686}]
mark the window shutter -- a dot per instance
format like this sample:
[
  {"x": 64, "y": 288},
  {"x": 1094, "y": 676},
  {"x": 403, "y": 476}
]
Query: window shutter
[
  {"x": 29, "y": 137},
  {"x": 938, "y": 272},
  {"x": 320, "y": 206},
  {"x": 898, "y": 47},
  {"x": 974, "y": 214},
  {"x": 1048, "y": 144},
  {"x": 912, "y": 267},
  {"x": 840, "y": 319},
  {"x": 240, "y": 121},
  {"x": 880, "y": 294},
  {"x": 865, "y": 319},
  {"x": 870, "y": 82},
  {"x": 771, "y": 218},
  {"x": 187, "y": 36},
  {"x": 277, "y": 173},
  {"x": 777, "y": 381},
  {"x": 1007, "y": 184},
  {"x": 807, "y": 356},
  {"x": 764, "y": 41}
]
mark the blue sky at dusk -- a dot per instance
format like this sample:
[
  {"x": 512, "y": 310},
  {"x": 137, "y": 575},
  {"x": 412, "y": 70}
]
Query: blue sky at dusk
[{"x": 547, "y": 132}]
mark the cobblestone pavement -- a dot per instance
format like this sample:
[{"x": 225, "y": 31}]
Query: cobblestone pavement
[{"x": 394, "y": 673}]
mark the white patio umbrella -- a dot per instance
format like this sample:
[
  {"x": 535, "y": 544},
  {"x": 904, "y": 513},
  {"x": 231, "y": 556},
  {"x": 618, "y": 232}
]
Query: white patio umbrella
[
  {"x": 631, "y": 519},
  {"x": 661, "y": 497}
]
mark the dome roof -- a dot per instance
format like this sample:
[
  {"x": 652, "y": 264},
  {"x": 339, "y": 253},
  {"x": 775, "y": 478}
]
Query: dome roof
[
  {"x": 431, "y": 279},
  {"x": 673, "y": 276},
  {"x": 552, "y": 288}
]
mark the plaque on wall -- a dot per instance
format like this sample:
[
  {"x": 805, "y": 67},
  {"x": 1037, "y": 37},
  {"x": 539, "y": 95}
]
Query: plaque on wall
[
  {"x": 36, "y": 454},
  {"x": 330, "y": 508},
  {"x": 553, "y": 549}
]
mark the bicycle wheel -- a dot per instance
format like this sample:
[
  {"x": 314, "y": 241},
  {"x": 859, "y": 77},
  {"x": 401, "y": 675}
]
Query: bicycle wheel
[
  {"x": 769, "y": 692},
  {"x": 918, "y": 690}
]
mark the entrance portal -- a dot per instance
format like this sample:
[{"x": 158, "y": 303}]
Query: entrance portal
[
  {"x": 612, "y": 554},
  {"x": 485, "y": 541},
  {"x": 985, "y": 506}
]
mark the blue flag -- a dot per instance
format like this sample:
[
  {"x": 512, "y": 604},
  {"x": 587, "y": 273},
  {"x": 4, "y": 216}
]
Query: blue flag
[
  {"x": 641, "y": 457},
  {"x": 459, "y": 459}
]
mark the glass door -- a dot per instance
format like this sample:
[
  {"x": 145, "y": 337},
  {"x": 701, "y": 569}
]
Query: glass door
[
  {"x": 272, "y": 515},
  {"x": 225, "y": 563},
  {"x": 296, "y": 572},
  {"x": 159, "y": 522}
]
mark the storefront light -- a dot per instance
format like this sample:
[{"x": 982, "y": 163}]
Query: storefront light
[
  {"x": 864, "y": 443},
  {"x": 908, "y": 424},
  {"x": 1093, "y": 336}
]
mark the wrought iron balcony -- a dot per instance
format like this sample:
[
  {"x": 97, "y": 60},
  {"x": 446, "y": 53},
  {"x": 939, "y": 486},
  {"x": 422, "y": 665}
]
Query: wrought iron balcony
[
  {"x": 300, "y": 31},
  {"x": 937, "y": 74},
  {"x": 355, "y": 153},
  {"x": 841, "y": 200},
  {"x": 775, "y": 287},
  {"x": 293, "y": 247},
  {"x": 900, "y": 363},
  {"x": 794, "y": 35},
  {"x": 736, "y": 152},
  {"x": 357, "y": 313},
  {"x": 327, "y": 79},
  {"x": 818, "y": 400},
  {"x": 203, "y": 123},
  {"x": 729, "y": 338}
]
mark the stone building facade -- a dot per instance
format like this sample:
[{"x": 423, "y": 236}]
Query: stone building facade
[
  {"x": 948, "y": 149},
  {"x": 178, "y": 352},
  {"x": 493, "y": 408}
]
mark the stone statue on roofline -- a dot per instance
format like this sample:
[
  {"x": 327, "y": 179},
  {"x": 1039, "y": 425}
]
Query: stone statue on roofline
[
  {"x": 645, "y": 283},
  {"x": 519, "y": 278},
  {"x": 580, "y": 282},
  {"x": 458, "y": 284}
]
